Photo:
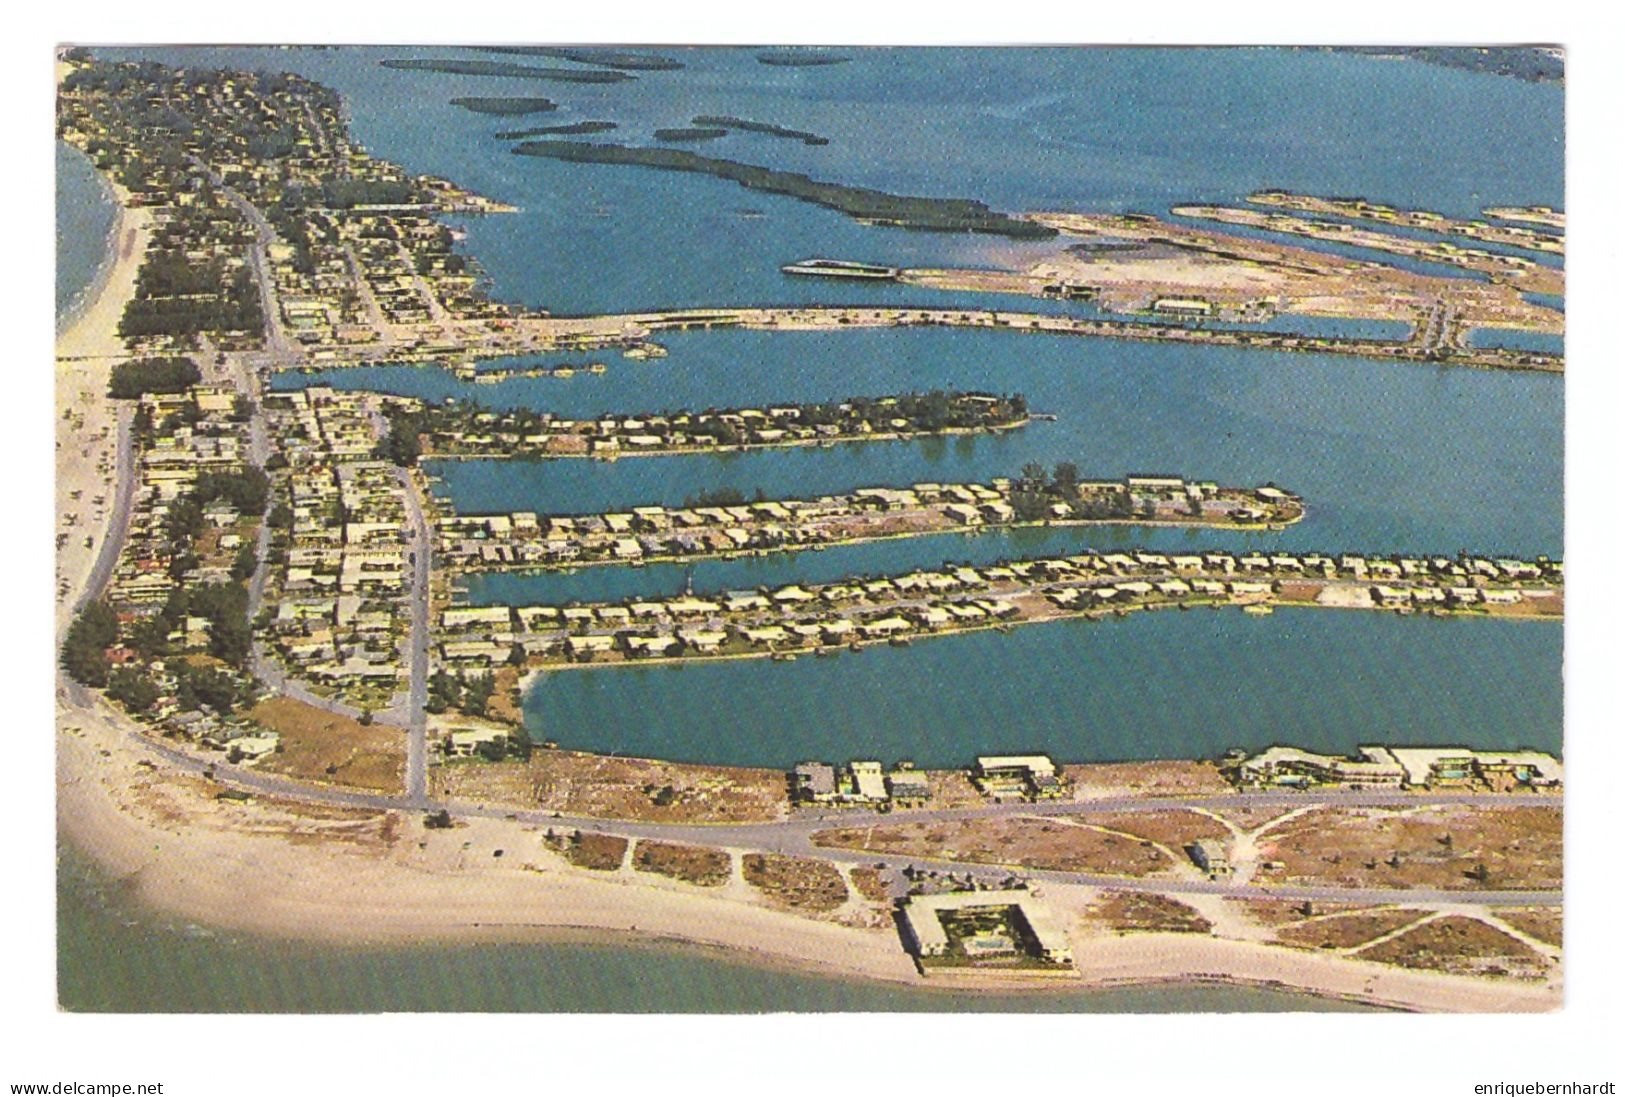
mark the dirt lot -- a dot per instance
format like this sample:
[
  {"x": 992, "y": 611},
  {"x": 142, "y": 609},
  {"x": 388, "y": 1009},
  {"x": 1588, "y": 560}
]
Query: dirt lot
[
  {"x": 952, "y": 788},
  {"x": 1148, "y": 778},
  {"x": 1124, "y": 911},
  {"x": 800, "y": 883},
  {"x": 1253, "y": 818},
  {"x": 1030, "y": 843},
  {"x": 1346, "y": 930},
  {"x": 1542, "y": 923},
  {"x": 1175, "y": 829},
  {"x": 503, "y": 706},
  {"x": 620, "y": 788},
  {"x": 869, "y": 884},
  {"x": 603, "y": 852},
  {"x": 691, "y": 864},
  {"x": 320, "y": 746},
  {"x": 1461, "y": 946},
  {"x": 1281, "y": 912},
  {"x": 1517, "y": 846}
]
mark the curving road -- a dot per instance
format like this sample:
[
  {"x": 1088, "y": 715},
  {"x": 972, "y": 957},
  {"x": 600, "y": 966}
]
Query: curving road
[{"x": 794, "y": 835}]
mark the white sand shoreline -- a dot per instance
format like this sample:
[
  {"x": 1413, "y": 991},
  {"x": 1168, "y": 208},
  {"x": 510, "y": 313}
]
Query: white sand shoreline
[
  {"x": 324, "y": 892},
  {"x": 85, "y": 297}
]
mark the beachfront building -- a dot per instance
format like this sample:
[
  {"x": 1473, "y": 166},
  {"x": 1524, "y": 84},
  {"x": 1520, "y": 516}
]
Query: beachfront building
[
  {"x": 908, "y": 786},
  {"x": 1402, "y": 767},
  {"x": 1460, "y": 767},
  {"x": 1289, "y": 767},
  {"x": 1002, "y": 928},
  {"x": 857, "y": 782},
  {"x": 1030, "y": 776}
]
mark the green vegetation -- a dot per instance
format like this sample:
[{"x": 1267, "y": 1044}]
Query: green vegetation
[
  {"x": 569, "y": 129},
  {"x": 730, "y": 122},
  {"x": 225, "y": 607},
  {"x": 199, "y": 687},
  {"x": 1036, "y": 490},
  {"x": 349, "y": 193},
  {"x": 721, "y": 497},
  {"x": 1521, "y": 62},
  {"x": 247, "y": 490},
  {"x": 132, "y": 689},
  {"x": 609, "y": 59},
  {"x": 504, "y": 68},
  {"x": 939, "y": 214},
  {"x": 689, "y": 133},
  {"x": 505, "y": 105},
  {"x": 84, "y": 650},
  {"x": 176, "y": 295},
  {"x": 856, "y": 417},
  {"x": 466, "y": 693},
  {"x": 800, "y": 59},
  {"x": 401, "y": 445},
  {"x": 138, "y": 376}
]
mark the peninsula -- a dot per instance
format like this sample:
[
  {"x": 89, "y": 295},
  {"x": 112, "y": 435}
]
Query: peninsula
[
  {"x": 725, "y": 523},
  {"x": 878, "y": 207},
  {"x": 508, "y": 69},
  {"x": 471, "y": 430}
]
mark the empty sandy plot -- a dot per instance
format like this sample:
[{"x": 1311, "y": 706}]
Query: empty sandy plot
[
  {"x": 690, "y": 864},
  {"x": 1029, "y": 843},
  {"x": 1128, "y": 911},
  {"x": 602, "y": 852},
  {"x": 1443, "y": 847},
  {"x": 318, "y": 745},
  {"x": 1282, "y": 912},
  {"x": 1346, "y": 930},
  {"x": 1460, "y": 946},
  {"x": 1542, "y": 923},
  {"x": 620, "y": 788},
  {"x": 1146, "y": 778},
  {"x": 1175, "y": 829},
  {"x": 801, "y": 883}
]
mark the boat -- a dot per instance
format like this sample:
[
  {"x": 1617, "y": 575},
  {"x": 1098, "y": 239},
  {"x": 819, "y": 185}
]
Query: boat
[
  {"x": 840, "y": 268},
  {"x": 1258, "y": 610}
]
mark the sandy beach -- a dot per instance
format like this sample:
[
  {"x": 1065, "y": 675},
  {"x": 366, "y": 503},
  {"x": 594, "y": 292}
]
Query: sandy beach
[
  {"x": 87, "y": 349},
  {"x": 376, "y": 878}
]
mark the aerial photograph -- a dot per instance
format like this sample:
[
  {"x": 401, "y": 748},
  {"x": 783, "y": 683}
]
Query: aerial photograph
[{"x": 611, "y": 528}]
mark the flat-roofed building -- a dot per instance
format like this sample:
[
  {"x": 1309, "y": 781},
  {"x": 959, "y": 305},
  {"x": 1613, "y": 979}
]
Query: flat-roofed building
[
  {"x": 946, "y": 927},
  {"x": 1030, "y": 775},
  {"x": 1211, "y": 857},
  {"x": 813, "y": 782}
]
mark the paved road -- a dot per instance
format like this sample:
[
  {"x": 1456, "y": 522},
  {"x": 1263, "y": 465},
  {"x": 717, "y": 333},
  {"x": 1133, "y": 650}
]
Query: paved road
[
  {"x": 419, "y": 545},
  {"x": 793, "y": 836}
]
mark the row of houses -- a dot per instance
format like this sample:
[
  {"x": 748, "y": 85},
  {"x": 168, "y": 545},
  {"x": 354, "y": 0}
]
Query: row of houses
[
  {"x": 340, "y": 591},
  {"x": 866, "y": 783},
  {"x": 460, "y": 430},
  {"x": 796, "y": 616},
  {"x": 1401, "y": 767},
  {"x": 528, "y": 539},
  {"x": 192, "y": 433},
  {"x": 858, "y": 783}
]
